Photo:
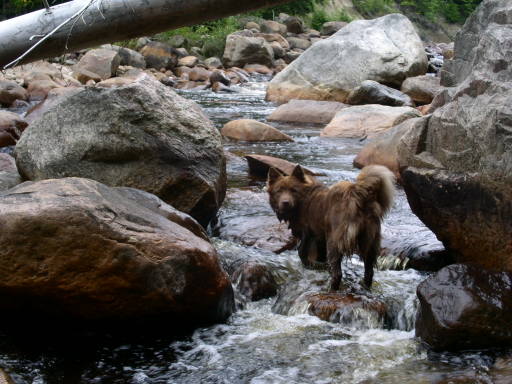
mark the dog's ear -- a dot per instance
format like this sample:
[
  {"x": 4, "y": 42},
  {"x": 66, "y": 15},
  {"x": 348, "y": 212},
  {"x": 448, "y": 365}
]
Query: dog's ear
[
  {"x": 299, "y": 174},
  {"x": 273, "y": 176}
]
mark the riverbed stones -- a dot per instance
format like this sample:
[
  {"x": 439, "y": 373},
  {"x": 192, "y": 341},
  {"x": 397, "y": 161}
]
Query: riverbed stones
[
  {"x": 422, "y": 89},
  {"x": 241, "y": 50},
  {"x": 9, "y": 176},
  {"x": 11, "y": 127},
  {"x": 331, "y": 27},
  {"x": 255, "y": 281},
  {"x": 75, "y": 248},
  {"x": 269, "y": 26},
  {"x": 11, "y": 91},
  {"x": 465, "y": 307},
  {"x": 306, "y": 111},
  {"x": 252, "y": 130},
  {"x": 367, "y": 120},
  {"x": 142, "y": 135},
  {"x": 103, "y": 62},
  {"x": 458, "y": 175},
  {"x": 371, "y": 92},
  {"x": 386, "y": 50},
  {"x": 294, "y": 24}
]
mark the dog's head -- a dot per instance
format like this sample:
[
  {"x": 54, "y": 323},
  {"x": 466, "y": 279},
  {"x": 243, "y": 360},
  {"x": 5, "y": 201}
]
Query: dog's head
[{"x": 286, "y": 193}]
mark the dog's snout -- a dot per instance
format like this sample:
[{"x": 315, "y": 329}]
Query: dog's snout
[{"x": 286, "y": 203}]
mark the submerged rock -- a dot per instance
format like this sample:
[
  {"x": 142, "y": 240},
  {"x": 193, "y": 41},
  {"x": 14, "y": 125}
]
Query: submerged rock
[
  {"x": 75, "y": 248},
  {"x": 386, "y": 50},
  {"x": 255, "y": 281},
  {"x": 141, "y": 135},
  {"x": 465, "y": 307}
]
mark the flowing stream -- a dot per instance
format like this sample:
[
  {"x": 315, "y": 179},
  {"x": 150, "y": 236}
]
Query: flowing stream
[{"x": 273, "y": 340}]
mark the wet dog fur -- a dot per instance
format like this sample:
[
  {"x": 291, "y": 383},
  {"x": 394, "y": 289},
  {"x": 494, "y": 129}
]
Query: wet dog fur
[{"x": 343, "y": 219}]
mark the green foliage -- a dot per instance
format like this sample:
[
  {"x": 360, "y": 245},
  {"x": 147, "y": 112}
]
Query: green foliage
[
  {"x": 319, "y": 16},
  {"x": 373, "y": 7},
  {"x": 454, "y": 11},
  {"x": 210, "y": 36}
]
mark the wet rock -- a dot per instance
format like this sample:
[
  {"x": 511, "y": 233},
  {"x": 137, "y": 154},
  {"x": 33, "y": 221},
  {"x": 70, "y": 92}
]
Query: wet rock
[
  {"x": 255, "y": 281},
  {"x": 296, "y": 42},
  {"x": 11, "y": 128},
  {"x": 383, "y": 149},
  {"x": 219, "y": 87},
  {"x": 371, "y": 92},
  {"x": 367, "y": 120},
  {"x": 331, "y": 27},
  {"x": 103, "y": 62},
  {"x": 422, "y": 89},
  {"x": 294, "y": 24},
  {"x": 141, "y": 135},
  {"x": 252, "y": 130},
  {"x": 11, "y": 91},
  {"x": 260, "y": 164},
  {"x": 269, "y": 26},
  {"x": 346, "y": 308},
  {"x": 213, "y": 62},
  {"x": 241, "y": 50},
  {"x": 386, "y": 50},
  {"x": 465, "y": 307},
  {"x": 188, "y": 61},
  {"x": 307, "y": 111},
  {"x": 255, "y": 225},
  {"x": 159, "y": 55},
  {"x": 114, "y": 260},
  {"x": 9, "y": 176}
]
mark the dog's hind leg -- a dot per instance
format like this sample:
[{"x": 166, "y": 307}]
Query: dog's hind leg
[
  {"x": 334, "y": 260},
  {"x": 370, "y": 258}
]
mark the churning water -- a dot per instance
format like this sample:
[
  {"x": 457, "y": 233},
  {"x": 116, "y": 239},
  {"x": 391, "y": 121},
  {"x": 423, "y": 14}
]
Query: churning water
[{"x": 274, "y": 340}]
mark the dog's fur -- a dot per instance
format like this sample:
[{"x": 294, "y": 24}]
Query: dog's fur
[{"x": 344, "y": 218}]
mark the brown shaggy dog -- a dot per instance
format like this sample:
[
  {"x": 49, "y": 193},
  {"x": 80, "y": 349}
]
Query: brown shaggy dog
[{"x": 343, "y": 219}]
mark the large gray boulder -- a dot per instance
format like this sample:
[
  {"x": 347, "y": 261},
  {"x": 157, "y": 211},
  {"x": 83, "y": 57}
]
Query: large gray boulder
[
  {"x": 241, "y": 50},
  {"x": 459, "y": 159},
  {"x": 386, "y": 50},
  {"x": 141, "y": 135},
  {"x": 75, "y": 248}
]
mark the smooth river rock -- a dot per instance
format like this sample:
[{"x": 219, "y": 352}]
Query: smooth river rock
[
  {"x": 386, "y": 50},
  {"x": 141, "y": 135},
  {"x": 74, "y": 248},
  {"x": 306, "y": 111},
  {"x": 252, "y": 130}
]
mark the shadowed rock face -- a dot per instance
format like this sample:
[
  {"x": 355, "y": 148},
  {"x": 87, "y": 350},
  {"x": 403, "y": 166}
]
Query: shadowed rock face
[
  {"x": 465, "y": 307},
  {"x": 386, "y": 50},
  {"x": 458, "y": 161},
  {"x": 75, "y": 248},
  {"x": 141, "y": 135}
]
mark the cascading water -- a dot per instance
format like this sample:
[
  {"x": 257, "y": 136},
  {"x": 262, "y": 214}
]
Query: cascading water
[{"x": 274, "y": 340}]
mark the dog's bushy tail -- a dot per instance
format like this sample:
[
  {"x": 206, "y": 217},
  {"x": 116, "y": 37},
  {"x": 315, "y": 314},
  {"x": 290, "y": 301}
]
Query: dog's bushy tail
[
  {"x": 364, "y": 205},
  {"x": 380, "y": 181}
]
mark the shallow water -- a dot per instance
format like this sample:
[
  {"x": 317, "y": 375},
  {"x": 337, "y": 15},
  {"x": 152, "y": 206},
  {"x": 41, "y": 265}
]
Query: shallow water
[{"x": 273, "y": 340}]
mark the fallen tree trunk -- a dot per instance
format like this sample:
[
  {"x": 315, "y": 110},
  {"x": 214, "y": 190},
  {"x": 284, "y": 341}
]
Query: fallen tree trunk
[{"x": 107, "y": 21}]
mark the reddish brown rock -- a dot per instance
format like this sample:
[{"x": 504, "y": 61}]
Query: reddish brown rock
[
  {"x": 102, "y": 62},
  {"x": 340, "y": 307},
  {"x": 115, "y": 259},
  {"x": 39, "y": 89},
  {"x": 252, "y": 130}
]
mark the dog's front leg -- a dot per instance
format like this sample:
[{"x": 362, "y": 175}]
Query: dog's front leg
[{"x": 334, "y": 260}]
